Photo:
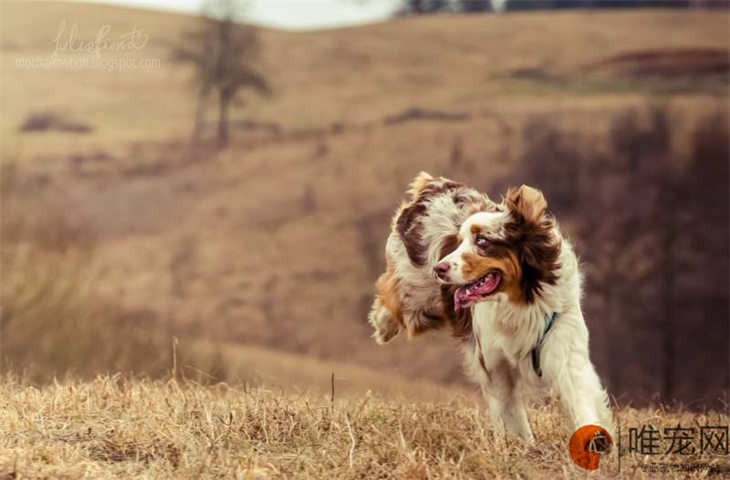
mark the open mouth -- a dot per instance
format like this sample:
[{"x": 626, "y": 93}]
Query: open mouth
[{"x": 475, "y": 291}]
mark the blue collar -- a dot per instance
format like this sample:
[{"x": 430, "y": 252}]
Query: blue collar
[{"x": 549, "y": 321}]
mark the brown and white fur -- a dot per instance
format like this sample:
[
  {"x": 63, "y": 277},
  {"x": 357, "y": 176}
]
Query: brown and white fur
[
  {"x": 408, "y": 296},
  {"x": 532, "y": 272}
]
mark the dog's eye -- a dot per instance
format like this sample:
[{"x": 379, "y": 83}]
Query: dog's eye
[{"x": 481, "y": 241}]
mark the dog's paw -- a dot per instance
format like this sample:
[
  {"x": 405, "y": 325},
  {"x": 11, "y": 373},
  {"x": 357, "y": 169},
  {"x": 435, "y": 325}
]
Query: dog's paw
[
  {"x": 383, "y": 337},
  {"x": 386, "y": 327},
  {"x": 600, "y": 443}
]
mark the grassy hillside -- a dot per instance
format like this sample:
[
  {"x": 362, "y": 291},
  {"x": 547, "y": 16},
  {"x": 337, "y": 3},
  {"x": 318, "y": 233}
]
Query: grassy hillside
[
  {"x": 513, "y": 62},
  {"x": 276, "y": 241},
  {"x": 116, "y": 427}
]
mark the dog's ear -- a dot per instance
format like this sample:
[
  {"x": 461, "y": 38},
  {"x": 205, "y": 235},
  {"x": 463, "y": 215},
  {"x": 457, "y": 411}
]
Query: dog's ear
[
  {"x": 526, "y": 203},
  {"x": 532, "y": 232},
  {"x": 407, "y": 220},
  {"x": 418, "y": 184}
]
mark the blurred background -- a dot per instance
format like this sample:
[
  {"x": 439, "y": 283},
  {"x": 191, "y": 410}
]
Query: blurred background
[{"x": 204, "y": 189}]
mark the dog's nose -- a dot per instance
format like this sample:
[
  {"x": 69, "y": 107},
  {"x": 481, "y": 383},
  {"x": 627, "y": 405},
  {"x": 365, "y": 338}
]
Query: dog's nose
[{"x": 442, "y": 270}]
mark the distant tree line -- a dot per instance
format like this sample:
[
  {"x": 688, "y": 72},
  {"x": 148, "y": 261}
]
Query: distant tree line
[
  {"x": 651, "y": 223},
  {"x": 482, "y": 6}
]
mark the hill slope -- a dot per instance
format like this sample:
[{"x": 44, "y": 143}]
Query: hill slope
[{"x": 277, "y": 240}]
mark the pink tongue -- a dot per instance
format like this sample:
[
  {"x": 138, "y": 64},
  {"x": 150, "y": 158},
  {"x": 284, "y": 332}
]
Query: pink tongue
[
  {"x": 461, "y": 298},
  {"x": 468, "y": 293}
]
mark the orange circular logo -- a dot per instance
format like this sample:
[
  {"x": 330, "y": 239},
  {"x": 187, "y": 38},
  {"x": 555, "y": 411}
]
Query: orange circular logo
[{"x": 587, "y": 444}]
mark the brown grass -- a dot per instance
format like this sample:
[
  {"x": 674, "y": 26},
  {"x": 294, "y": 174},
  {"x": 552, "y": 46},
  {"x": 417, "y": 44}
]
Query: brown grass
[{"x": 120, "y": 427}]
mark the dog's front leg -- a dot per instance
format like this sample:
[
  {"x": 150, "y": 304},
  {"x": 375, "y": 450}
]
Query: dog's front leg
[
  {"x": 496, "y": 376},
  {"x": 505, "y": 404},
  {"x": 383, "y": 322},
  {"x": 568, "y": 369}
]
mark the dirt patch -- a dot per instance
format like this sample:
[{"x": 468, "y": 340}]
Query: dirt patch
[
  {"x": 668, "y": 62},
  {"x": 44, "y": 121},
  {"x": 418, "y": 113},
  {"x": 540, "y": 74}
]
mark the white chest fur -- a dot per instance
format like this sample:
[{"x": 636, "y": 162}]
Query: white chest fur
[{"x": 505, "y": 333}]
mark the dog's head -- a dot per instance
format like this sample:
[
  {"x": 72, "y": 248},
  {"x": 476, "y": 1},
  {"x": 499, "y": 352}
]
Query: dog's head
[{"x": 512, "y": 252}]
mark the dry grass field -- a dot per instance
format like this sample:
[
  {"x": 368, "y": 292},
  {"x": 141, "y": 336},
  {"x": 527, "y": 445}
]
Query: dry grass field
[{"x": 115, "y": 427}]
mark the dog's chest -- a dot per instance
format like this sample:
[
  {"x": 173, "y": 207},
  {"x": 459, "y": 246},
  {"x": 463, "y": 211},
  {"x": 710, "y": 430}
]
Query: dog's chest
[{"x": 498, "y": 341}]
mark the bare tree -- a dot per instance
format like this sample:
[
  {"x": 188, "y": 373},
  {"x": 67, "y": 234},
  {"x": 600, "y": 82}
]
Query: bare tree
[
  {"x": 192, "y": 50},
  {"x": 222, "y": 53}
]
